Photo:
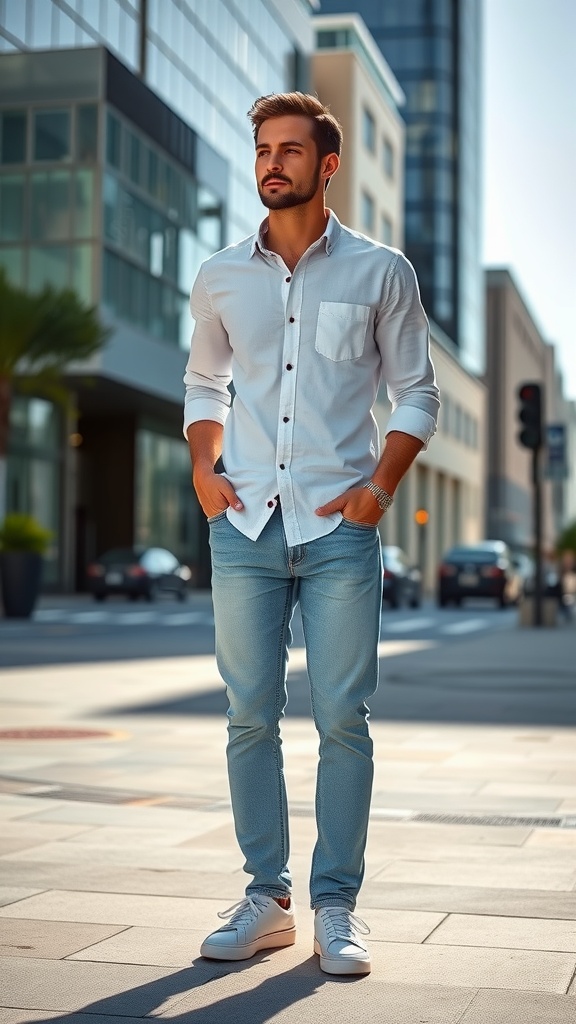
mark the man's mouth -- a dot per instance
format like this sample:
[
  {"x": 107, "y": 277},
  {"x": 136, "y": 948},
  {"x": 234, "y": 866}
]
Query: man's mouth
[{"x": 274, "y": 181}]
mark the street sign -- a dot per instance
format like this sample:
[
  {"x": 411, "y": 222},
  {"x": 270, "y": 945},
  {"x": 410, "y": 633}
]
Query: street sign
[{"x": 556, "y": 465}]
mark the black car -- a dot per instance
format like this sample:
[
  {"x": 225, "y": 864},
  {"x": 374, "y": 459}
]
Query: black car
[
  {"x": 479, "y": 570},
  {"x": 138, "y": 572},
  {"x": 401, "y": 582}
]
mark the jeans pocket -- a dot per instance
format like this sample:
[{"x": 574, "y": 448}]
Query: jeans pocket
[
  {"x": 341, "y": 330},
  {"x": 357, "y": 526},
  {"x": 219, "y": 515}
]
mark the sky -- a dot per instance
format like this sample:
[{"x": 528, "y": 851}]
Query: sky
[{"x": 530, "y": 161}]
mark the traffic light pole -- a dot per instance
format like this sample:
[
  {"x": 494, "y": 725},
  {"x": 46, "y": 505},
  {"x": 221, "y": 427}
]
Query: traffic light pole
[{"x": 537, "y": 498}]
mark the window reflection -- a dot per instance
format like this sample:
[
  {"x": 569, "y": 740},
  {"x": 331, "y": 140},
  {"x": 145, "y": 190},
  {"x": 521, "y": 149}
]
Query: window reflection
[
  {"x": 52, "y": 135},
  {"x": 13, "y": 137}
]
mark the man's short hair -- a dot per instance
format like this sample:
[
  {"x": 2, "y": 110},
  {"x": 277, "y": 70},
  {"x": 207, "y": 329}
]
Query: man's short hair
[{"x": 326, "y": 129}]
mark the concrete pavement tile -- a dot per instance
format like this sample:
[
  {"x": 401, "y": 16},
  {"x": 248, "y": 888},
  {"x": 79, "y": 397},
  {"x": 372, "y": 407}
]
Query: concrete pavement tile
[
  {"x": 506, "y": 932},
  {"x": 160, "y": 947},
  {"x": 464, "y": 873},
  {"x": 9, "y": 1016},
  {"x": 138, "y": 856},
  {"x": 552, "y": 790},
  {"x": 46, "y": 833},
  {"x": 100, "y": 878},
  {"x": 465, "y": 804},
  {"x": 110, "y": 835},
  {"x": 470, "y": 967},
  {"x": 554, "y": 838},
  {"x": 50, "y": 940},
  {"x": 119, "y": 908},
  {"x": 14, "y": 845},
  {"x": 19, "y": 808},
  {"x": 77, "y": 813},
  {"x": 422, "y": 834},
  {"x": 296, "y": 994},
  {"x": 66, "y": 985},
  {"x": 471, "y": 900},
  {"x": 13, "y": 893},
  {"x": 489, "y": 1007}
]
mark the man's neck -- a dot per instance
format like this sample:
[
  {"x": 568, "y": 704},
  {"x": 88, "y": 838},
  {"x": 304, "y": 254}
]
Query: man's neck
[{"x": 291, "y": 232}]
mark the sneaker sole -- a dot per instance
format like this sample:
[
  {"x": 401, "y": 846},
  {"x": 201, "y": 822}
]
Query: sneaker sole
[
  {"x": 333, "y": 966},
  {"x": 273, "y": 941}
]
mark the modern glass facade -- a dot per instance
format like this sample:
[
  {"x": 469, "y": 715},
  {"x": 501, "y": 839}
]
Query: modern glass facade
[
  {"x": 207, "y": 59},
  {"x": 433, "y": 48},
  {"x": 121, "y": 169}
]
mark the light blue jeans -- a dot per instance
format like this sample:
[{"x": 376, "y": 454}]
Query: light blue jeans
[{"x": 255, "y": 586}]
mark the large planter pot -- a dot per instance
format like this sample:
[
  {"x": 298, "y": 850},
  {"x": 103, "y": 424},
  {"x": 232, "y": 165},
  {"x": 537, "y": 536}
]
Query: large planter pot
[{"x": 20, "y": 574}]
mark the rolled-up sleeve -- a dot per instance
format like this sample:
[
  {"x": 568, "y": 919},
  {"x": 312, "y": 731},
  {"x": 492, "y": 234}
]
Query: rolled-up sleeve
[
  {"x": 403, "y": 337},
  {"x": 209, "y": 367}
]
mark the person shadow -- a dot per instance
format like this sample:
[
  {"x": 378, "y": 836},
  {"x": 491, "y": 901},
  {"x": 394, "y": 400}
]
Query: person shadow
[{"x": 193, "y": 994}]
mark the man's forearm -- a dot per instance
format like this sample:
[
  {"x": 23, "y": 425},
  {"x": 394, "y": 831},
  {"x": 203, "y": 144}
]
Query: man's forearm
[
  {"x": 399, "y": 453},
  {"x": 205, "y": 443}
]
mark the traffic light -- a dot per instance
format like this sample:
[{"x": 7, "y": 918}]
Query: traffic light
[{"x": 530, "y": 415}]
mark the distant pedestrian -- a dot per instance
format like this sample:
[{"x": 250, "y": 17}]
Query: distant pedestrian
[{"x": 305, "y": 317}]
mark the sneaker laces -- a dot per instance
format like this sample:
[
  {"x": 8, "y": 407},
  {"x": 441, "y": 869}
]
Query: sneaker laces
[
  {"x": 243, "y": 912},
  {"x": 342, "y": 924}
]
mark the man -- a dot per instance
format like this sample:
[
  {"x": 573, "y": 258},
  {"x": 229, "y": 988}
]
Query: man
[{"x": 304, "y": 317}]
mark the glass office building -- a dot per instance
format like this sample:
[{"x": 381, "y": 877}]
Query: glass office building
[
  {"x": 125, "y": 160},
  {"x": 433, "y": 48}
]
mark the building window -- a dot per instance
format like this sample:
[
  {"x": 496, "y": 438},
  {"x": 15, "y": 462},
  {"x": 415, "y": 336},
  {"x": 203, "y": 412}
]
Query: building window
[
  {"x": 11, "y": 207},
  {"x": 388, "y": 158},
  {"x": 13, "y": 137},
  {"x": 367, "y": 212},
  {"x": 52, "y": 135},
  {"x": 386, "y": 230},
  {"x": 368, "y": 130},
  {"x": 87, "y": 133}
]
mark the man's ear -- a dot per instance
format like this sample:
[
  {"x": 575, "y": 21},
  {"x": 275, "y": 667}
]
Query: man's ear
[{"x": 331, "y": 165}]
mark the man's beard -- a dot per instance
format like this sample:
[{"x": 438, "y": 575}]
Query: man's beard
[{"x": 288, "y": 197}]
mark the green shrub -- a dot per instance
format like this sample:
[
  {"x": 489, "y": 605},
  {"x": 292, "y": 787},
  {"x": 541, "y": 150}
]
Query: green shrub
[{"x": 20, "y": 532}]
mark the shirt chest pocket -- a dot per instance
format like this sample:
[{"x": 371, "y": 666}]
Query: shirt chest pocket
[{"x": 341, "y": 330}]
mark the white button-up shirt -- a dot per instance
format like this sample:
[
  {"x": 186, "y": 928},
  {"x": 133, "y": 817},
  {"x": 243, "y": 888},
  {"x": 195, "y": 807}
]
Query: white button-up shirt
[{"x": 306, "y": 352}]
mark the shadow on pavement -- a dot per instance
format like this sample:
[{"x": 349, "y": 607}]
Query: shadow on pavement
[
  {"x": 204, "y": 1001},
  {"x": 414, "y": 689}
]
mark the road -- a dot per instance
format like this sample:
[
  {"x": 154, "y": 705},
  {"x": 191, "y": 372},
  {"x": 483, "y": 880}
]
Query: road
[{"x": 69, "y": 631}]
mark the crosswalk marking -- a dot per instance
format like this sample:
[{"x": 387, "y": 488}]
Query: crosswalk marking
[
  {"x": 407, "y": 625},
  {"x": 468, "y": 626}
]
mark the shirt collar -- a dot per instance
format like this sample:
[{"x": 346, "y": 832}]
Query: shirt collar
[{"x": 331, "y": 235}]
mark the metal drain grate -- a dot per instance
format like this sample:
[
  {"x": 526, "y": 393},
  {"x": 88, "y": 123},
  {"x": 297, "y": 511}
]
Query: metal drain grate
[{"x": 499, "y": 820}]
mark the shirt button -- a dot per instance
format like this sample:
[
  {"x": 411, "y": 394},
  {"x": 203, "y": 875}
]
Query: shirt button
[
  {"x": 282, "y": 466},
  {"x": 291, "y": 319},
  {"x": 288, "y": 366},
  {"x": 288, "y": 279},
  {"x": 285, "y": 419},
  {"x": 270, "y": 504}
]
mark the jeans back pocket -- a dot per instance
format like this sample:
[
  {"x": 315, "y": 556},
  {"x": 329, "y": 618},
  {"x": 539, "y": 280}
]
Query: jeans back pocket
[{"x": 341, "y": 330}]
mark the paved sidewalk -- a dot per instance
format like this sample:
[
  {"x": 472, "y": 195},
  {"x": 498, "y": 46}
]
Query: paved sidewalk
[{"x": 117, "y": 850}]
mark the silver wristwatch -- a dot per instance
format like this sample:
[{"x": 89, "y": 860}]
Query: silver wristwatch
[{"x": 382, "y": 497}]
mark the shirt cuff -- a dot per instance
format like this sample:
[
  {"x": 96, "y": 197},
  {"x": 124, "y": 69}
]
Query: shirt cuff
[
  {"x": 204, "y": 409},
  {"x": 410, "y": 420}
]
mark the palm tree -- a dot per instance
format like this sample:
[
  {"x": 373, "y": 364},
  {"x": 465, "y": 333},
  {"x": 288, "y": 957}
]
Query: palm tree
[{"x": 39, "y": 335}]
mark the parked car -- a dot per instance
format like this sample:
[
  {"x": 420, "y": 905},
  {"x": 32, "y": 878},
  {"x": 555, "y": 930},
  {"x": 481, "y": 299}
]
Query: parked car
[
  {"x": 401, "y": 582},
  {"x": 138, "y": 572},
  {"x": 479, "y": 570}
]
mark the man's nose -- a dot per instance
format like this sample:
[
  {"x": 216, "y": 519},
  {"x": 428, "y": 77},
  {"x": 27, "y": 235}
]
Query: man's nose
[{"x": 274, "y": 162}]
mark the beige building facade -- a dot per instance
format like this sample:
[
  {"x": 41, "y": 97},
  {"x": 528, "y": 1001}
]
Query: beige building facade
[
  {"x": 516, "y": 353},
  {"x": 446, "y": 482}
]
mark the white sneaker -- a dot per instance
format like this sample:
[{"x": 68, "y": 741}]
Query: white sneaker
[
  {"x": 337, "y": 938},
  {"x": 257, "y": 922}
]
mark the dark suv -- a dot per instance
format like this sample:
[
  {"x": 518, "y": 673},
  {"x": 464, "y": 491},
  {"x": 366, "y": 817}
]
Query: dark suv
[{"x": 479, "y": 570}]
